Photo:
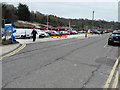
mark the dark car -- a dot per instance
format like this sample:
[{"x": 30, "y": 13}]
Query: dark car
[{"x": 114, "y": 38}]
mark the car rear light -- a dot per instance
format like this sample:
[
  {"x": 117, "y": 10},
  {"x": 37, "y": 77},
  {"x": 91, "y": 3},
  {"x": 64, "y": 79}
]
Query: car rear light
[{"x": 110, "y": 37}]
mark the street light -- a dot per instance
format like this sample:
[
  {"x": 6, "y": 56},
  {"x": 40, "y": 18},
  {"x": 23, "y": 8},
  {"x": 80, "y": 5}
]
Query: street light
[
  {"x": 69, "y": 25},
  {"x": 4, "y": 20},
  {"x": 47, "y": 21},
  {"x": 3, "y": 25},
  {"x": 93, "y": 20}
]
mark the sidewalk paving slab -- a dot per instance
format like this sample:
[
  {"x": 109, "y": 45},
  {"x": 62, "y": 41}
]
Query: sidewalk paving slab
[{"x": 7, "y": 48}]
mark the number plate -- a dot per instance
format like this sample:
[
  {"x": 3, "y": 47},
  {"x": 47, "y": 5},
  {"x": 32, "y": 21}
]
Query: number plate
[{"x": 116, "y": 41}]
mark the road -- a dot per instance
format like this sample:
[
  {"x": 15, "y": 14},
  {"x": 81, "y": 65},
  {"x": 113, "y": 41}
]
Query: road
[{"x": 70, "y": 63}]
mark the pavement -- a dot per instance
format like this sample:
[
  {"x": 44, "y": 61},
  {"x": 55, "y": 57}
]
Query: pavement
[
  {"x": 28, "y": 41},
  {"x": 68, "y": 63},
  {"x": 7, "y": 48}
]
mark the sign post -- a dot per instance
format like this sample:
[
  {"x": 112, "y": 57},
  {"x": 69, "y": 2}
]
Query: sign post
[{"x": 8, "y": 27}]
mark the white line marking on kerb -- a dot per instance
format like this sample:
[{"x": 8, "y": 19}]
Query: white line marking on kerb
[{"x": 105, "y": 45}]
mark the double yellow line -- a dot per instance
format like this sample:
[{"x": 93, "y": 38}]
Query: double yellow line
[
  {"x": 14, "y": 52},
  {"x": 115, "y": 83}
]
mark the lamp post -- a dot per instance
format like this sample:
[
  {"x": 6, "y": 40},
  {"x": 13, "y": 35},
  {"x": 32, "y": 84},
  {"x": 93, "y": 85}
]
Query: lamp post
[
  {"x": 47, "y": 21},
  {"x": 93, "y": 20},
  {"x": 119, "y": 11},
  {"x": 1, "y": 29},
  {"x": 4, "y": 21},
  {"x": 69, "y": 25}
]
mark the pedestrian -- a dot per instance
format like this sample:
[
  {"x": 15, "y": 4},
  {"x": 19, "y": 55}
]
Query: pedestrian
[
  {"x": 86, "y": 35},
  {"x": 34, "y": 32}
]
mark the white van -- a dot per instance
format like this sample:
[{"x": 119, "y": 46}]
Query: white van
[
  {"x": 22, "y": 33},
  {"x": 26, "y": 33}
]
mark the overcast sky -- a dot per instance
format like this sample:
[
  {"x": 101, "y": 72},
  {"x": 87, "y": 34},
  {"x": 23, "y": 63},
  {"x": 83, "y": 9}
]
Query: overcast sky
[{"x": 104, "y": 10}]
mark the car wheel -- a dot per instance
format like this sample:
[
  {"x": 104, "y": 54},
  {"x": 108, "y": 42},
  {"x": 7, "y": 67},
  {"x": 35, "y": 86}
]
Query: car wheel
[
  {"x": 109, "y": 43},
  {"x": 39, "y": 36}
]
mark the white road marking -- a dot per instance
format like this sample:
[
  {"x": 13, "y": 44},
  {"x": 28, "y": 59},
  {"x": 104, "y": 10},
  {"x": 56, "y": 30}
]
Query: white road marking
[{"x": 105, "y": 45}]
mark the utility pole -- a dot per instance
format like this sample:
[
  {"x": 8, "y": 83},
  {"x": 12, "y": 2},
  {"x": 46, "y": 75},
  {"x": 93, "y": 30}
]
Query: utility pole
[
  {"x": 93, "y": 20},
  {"x": 47, "y": 21},
  {"x": 119, "y": 11},
  {"x": 69, "y": 25},
  {"x": 3, "y": 27},
  {"x": 4, "y": 20}
]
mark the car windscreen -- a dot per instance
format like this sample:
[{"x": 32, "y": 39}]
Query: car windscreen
[{"x": 115, "y": 34}]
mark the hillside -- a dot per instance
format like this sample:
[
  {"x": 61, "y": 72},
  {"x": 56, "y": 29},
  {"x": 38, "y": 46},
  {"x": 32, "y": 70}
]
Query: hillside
[{"x": 13, "y": 15}]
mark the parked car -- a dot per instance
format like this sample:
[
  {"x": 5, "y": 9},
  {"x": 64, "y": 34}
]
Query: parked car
[
  {"x": 41, "y": 34},
  {"x": 106, "y": 31},
  {"x": 63, "y": 32},
  {"x": 68, "y": 32},
  {"x": 46, "y": 31},
  {"x": 80, "y": 31},
  {"x": 114, "y": 38},
  {"x": 54, "y": 33},
  {"x": 73, "y": 32},
  {"x": 96, "y": 32}
]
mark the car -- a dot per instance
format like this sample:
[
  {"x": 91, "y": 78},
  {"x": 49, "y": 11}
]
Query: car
[
  {"x": 63, "y": 32},
  {"x": 73, "y": 31},
  {"x": 26, "y": 33},
  {"x": 106, "y": 31},
  {"x": 80, "y": 31},
  {"x": 114, "y": 38},
  {"x": 54, "y": 33},
  {"x": 22, "y": 33},
  {"x": 41, "y": 34},
  {"x": 68, "y": 32},
  {"x": 46, "y": 31},
  {"x": 96, "y": 32}
]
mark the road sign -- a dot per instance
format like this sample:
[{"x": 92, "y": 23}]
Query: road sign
[{"x": 8, "y": 27}]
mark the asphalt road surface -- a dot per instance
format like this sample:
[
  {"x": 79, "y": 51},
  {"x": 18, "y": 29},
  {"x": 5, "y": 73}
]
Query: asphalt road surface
[{"x": 70, "y": 63}]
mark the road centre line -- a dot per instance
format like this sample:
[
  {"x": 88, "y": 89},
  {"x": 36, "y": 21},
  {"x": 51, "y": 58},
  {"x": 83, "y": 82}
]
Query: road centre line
[
  {"x": 105, "y": 45},
  {"x": 111, "y": 74},
  {"x": 14, "y": 52}
]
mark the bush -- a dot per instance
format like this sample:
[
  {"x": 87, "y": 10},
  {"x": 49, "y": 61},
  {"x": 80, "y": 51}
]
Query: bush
[
  {"x": 13, "y": 39},
  {"x": 5, "y": 43},
  {"x": 9, "y": 41},
  {"x": 3, "y": 39}
]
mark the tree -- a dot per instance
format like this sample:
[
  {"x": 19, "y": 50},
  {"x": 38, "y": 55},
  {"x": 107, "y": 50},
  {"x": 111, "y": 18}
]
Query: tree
[
  {"x": 23, "y": 12},
  {"x": 9, "y": 13}
]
